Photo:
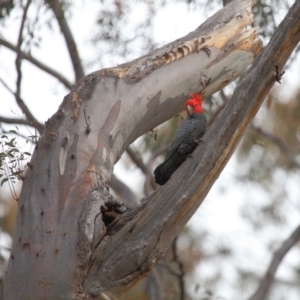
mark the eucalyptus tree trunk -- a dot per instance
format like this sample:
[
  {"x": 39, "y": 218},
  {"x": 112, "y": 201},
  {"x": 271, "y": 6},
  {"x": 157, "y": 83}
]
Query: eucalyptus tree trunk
[{"x": 73, "y": 240}]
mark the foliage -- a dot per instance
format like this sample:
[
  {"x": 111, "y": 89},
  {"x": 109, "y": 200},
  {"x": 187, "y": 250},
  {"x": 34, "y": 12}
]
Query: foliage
[
  {"x": 13, "y": 161},
  {"x": 266, "y": 12},
  {"x": 274, "y": 149},
  {"x": 6, "y": 7}
]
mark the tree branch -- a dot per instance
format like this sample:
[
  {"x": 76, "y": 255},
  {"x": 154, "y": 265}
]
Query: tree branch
[
  {"x": 59, "y": 13},
  {"x": 123, "y": 191},
  {"x": 268, "y": 279},
  {"x": 26, "y": 138},
  {"x": 168, "y": 268},
  {"x": 18, "y": 58},
  {"x": 173, "y": 204},
  {"x": 15, "y": 121},
  {"x": 32, "y": 121},
  {"x": 219, "y": 109},
  {"x": 136, "y": 158},
  {"x": 280, "y": 143},
  {"x": 149, "y": 180},
  {"x": 153, "y": 286},
  {"x": 162, "y": 150},
  {"x": 122, "y": 103},
  {"x": 37, "y": 63},
  {"x": 181, "y": 271},
  {"x": 18, "y": 61}
]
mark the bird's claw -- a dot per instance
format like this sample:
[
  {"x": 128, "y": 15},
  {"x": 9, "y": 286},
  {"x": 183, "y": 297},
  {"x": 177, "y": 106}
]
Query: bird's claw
[
  {"x": 203, "y": 83},
  {"x": 278, "y": 74},
  {"x": 207, "y": 51}
]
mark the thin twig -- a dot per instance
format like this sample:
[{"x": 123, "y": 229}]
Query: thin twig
[
  {"x": 280, "y": 143},
  {"x": 155, "y": 154},
  {"x": 136, "y": 158},
  {"x": 3, "y": 131},
  {"x": 18, "y": 62},
  {"x": 181, "y": 271},
  {"x": 170, "y": 270},
  {"x": 148, "y": 185},
  {"x": 31, "y": 119},
  {"x": 219, "y": 109},
  {"x": 278, "y": 281},
  {"x": 268, "y": 279},
  {"x": 15, "y": 121},
  {"x": 19, "y": 44},
  {"x": 59, "y": 13},
  {"x": 293, "y": 57},
  {"x": 37, "y": 63},
  {"x": 123, "y": 191}
]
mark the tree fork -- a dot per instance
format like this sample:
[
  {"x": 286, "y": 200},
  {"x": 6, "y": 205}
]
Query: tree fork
[{"x": 72, "y": 239}]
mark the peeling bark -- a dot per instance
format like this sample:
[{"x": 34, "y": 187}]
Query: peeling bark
[{"x": 72, "y": 239}]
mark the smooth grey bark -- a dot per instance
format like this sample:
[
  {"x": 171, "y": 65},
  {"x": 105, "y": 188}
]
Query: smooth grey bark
[{"x": 72, "y": 239}]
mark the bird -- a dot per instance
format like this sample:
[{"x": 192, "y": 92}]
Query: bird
[{"x": 185, "y": 141}]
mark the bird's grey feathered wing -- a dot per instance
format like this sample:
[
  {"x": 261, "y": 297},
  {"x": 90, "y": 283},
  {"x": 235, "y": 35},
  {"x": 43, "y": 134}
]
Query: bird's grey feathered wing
[
  {"x": 184, "y": 143},
  {"x": 190, "y": 130}
]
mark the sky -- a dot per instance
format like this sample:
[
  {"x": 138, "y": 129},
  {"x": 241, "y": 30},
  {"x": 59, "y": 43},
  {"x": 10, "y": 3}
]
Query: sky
[{"x": 220, "y": 212}]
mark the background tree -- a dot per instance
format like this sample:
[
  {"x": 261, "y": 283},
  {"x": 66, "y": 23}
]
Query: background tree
[{"x": 214, "y": 102}]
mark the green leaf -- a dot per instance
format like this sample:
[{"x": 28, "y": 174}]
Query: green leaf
[
  {"x": 10, "y": 144},
  {"x": 3, "y": 180}
]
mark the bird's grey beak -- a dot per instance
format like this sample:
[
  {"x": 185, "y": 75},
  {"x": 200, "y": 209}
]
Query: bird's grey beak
[{"x": 189, "y": 109}]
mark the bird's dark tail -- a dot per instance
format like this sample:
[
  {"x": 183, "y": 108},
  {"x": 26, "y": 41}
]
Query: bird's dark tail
[{"x": 160, "y": 177}]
